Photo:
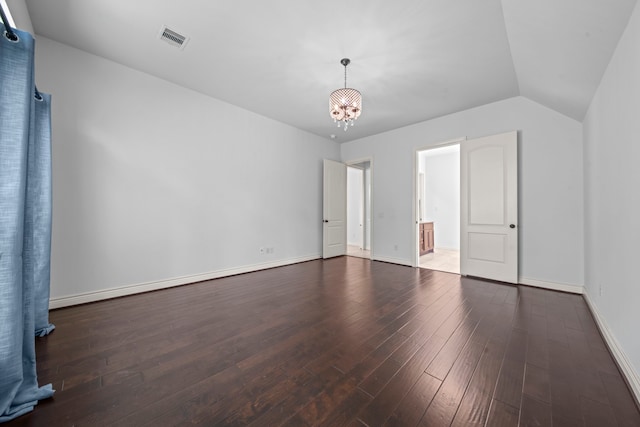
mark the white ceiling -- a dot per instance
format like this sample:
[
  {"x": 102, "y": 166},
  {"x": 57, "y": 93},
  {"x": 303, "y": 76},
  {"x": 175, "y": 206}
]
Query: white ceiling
[{"x": 413, "y": 60}]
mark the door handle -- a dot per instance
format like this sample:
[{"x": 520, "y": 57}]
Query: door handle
[
  {"x": 512, "y": 226},
  {"x": 325, "y": 220}
]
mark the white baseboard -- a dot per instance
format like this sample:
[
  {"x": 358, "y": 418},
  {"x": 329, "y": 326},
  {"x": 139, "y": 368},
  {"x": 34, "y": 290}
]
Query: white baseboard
[
  {"x": 630, "y": 374},
  {"x": 564, "y": 287},
  {"x": 84, "y": 298},
  {"x": 392, "y": 260}
]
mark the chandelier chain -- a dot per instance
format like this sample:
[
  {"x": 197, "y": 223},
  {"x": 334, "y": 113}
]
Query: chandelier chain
[{"x": 345, "y": 76}]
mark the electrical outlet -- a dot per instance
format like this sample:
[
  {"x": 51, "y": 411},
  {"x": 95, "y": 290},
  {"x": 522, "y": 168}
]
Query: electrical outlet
[{"x": 262, "y": 251}]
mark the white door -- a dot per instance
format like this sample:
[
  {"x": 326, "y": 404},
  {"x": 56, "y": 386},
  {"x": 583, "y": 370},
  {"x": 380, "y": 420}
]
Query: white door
[
  {"x": 334, "y": 209},
  {"x": 489, "y": 207}
]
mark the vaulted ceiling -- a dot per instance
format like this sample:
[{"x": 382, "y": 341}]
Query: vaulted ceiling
[{"x": 413, "y": 60}]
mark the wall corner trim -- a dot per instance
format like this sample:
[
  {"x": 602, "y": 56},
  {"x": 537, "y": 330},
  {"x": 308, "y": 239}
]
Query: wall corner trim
[
  {"x": 628, "y": 372},
  {"x": 121, "y": 291},
  {"x": 563, "y": 287}
]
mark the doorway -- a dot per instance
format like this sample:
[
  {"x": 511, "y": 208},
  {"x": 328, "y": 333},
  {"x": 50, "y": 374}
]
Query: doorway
[
  {"x": 484, "y": 182},
  {"x": 438, "y": 208},
  {"x": 359, "y": 209}
]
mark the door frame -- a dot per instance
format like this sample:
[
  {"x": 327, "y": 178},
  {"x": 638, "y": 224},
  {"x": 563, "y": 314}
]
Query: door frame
[
  {"x": 356, "y": 162},
  {"x": 415, "y": 225},
  {"x": 361, "y": 202}
]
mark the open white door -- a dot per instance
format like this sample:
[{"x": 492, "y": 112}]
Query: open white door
[
  {"x": 334, "y": 209},
  {"x": 489, "y": 207}
]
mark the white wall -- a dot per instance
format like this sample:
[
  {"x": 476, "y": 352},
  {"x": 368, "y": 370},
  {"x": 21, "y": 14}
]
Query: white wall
[
  {"x": 355, "y": 205},
  {"x": 153, "y": 181},
  {"x": 441, "y": 168},
  {"x": 612, "y": 199},
  {"x": 550, "y": 183},
  {"x": 20, "y": 14}
]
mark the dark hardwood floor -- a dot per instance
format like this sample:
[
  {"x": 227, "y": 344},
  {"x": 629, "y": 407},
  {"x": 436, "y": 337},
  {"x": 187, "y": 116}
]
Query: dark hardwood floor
[{"x": 345, "y": 341}]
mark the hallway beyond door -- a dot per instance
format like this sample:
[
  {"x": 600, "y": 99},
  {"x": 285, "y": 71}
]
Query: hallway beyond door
[{"x": 442, "y": 260}]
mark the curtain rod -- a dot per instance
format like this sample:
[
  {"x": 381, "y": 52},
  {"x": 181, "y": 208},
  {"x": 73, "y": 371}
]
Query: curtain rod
[{"x": 10, "y": 34}]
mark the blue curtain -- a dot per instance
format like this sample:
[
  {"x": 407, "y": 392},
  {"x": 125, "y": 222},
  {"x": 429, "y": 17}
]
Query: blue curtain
[{"x": 25, "y": 225}]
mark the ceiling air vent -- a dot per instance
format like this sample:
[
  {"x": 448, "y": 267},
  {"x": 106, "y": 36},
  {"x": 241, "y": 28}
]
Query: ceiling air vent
[{"x": 173, "y": 38}]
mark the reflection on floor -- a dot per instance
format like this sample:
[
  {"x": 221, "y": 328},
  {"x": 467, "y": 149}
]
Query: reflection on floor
[
  {"x": 353, "y": 250},
  {"x": 442, "y": 260}
]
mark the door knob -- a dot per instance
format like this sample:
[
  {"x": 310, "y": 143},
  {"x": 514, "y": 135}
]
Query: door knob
[
  {"x": 512, "y": 226},
  {"x": 325, "y": 220}
]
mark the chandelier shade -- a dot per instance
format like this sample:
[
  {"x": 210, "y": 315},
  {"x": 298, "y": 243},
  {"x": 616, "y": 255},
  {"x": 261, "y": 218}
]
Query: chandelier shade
[{"x": 345, "y": 105}]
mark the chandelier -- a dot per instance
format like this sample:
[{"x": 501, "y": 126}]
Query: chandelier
[{"x": 345, "y": 105}]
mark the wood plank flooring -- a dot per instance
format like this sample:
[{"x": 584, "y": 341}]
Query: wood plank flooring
[{"x": 346, "y": 341}]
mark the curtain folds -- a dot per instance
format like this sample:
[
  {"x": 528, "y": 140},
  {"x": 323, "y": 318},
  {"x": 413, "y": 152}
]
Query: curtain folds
[
  {"x": 37, "y": 252},
  {"x": 25, "y": 226}
]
